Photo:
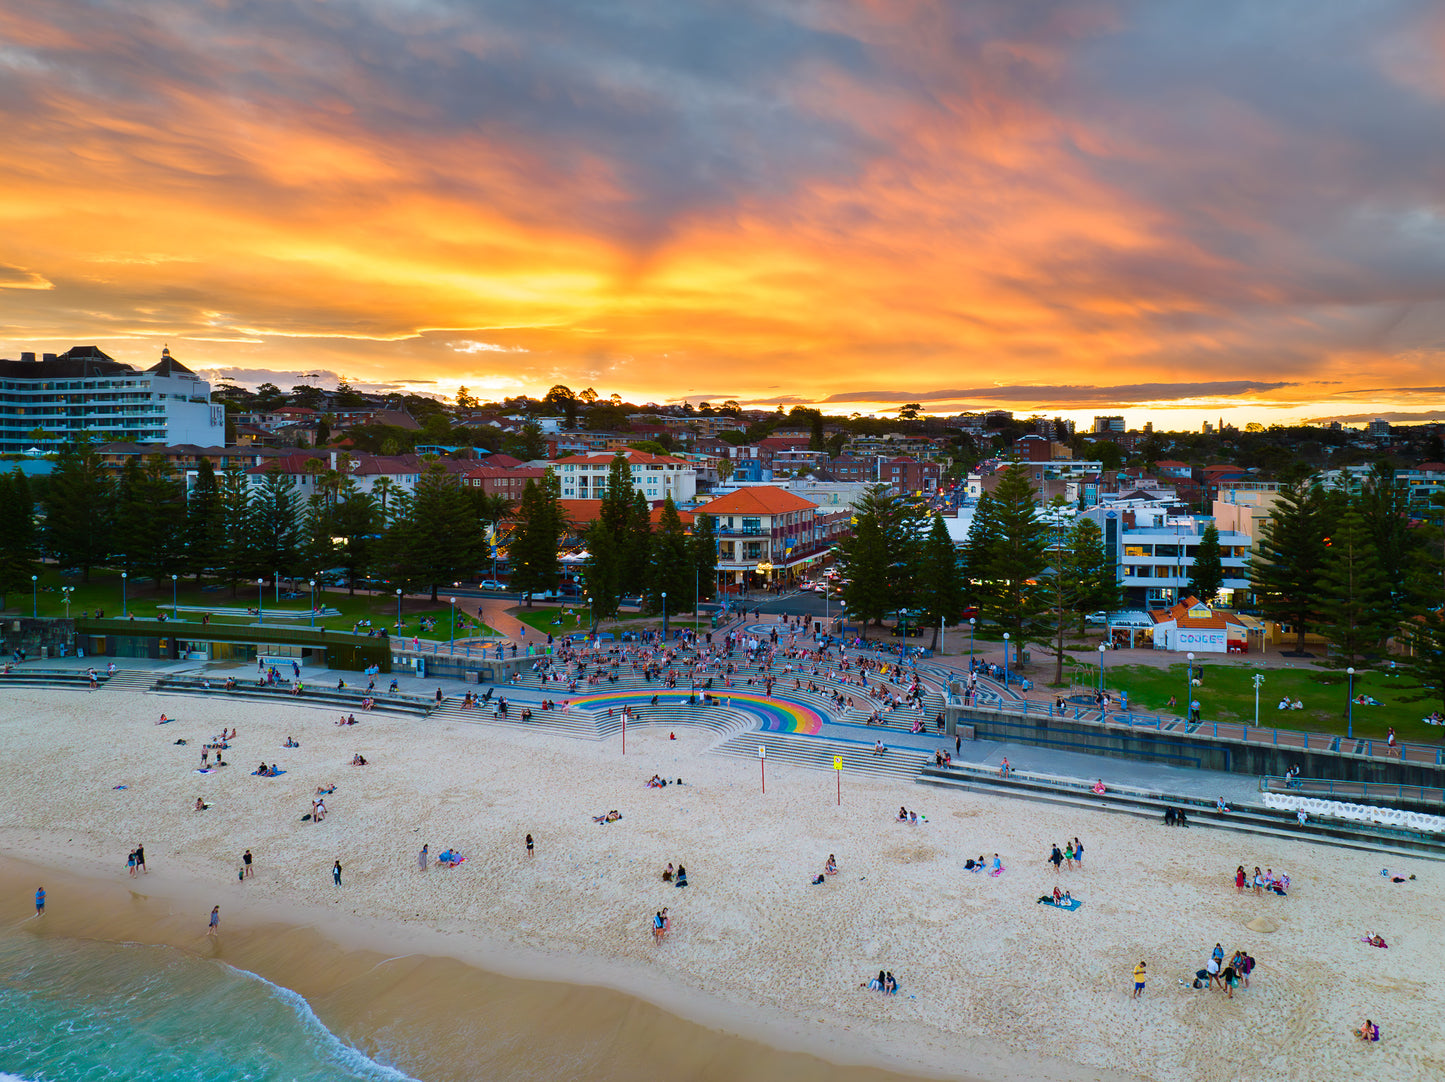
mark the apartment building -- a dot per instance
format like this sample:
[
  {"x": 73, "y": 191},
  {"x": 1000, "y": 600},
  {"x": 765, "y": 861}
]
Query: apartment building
[
  {"x": 53, "y": 401},
  {"x": 657, "y": 477}
]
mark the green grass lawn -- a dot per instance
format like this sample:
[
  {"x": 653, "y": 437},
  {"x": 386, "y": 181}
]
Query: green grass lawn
[
  {"x": 145, "y": 599},
  {"x": 1227, "y": 694}
]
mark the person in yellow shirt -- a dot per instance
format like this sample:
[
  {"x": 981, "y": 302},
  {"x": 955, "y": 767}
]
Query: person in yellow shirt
[{"x": 1139, "y": 980}]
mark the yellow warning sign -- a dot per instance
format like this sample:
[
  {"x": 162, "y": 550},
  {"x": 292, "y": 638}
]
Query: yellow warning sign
[{"x": 837, "y": 762}]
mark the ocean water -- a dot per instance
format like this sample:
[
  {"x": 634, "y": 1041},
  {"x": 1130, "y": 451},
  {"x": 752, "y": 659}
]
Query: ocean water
[{"x": 74, "y": 1011}]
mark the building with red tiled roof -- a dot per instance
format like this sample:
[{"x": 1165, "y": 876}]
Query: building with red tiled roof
[
  {"x": 583, "y": 513},
  {"x": 584, "y": 477},
  {"x": 503, "y": 481},
  {"x": 309, "y": 469},
  {"x": 768, "y": 534},
  {"x": 1193, "y": 626}
]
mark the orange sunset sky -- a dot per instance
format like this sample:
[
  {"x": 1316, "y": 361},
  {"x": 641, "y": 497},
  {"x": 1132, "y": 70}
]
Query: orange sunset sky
[{"x": 1171, "y": 210}]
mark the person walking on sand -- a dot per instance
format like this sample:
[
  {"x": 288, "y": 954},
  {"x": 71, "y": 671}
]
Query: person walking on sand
[
  {"x": 140, "y": 859},
  {"x": 336, "y": 873},
  {"x": 530, "y": 850},
  {"x": 423, "y": 858},
  {"x": 1056, "y": 858},
  {"x": 246, "y": 866},
  {"x": 1139, "y": 976},
  {"x": 215, "y": 920}
]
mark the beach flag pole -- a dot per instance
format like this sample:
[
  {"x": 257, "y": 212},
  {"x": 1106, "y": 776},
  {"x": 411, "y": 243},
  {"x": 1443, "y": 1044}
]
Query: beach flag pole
[
  {"x": 763, "y": 766},
  {"x": 838, "y": 771},
  {"x": 624, "y": 734}
]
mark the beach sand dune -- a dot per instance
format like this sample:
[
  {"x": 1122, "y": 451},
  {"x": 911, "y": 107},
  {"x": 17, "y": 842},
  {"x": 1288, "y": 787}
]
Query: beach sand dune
[{"x": 993, "y": 985}]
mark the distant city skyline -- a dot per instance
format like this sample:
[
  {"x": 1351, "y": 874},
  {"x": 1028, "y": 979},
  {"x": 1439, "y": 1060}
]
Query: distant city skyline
[{"x": 1171, "y": 211}]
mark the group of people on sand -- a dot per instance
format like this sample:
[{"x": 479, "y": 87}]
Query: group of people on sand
[
  {"x": 265, "y": 771},
  {"x": 912, "y": 818},
  {"x": 994, "y": 867},
  {"x": 677, "y": 877},
  {"x": 346, "y": 719},
  {"x": 659, "y": 782},
  {"x": 1227, "y": 976},
  {"x": 318, "y": 809},
  {"x": 1260, "y": 881},
  {"x": 661, "y": 923},
  {"x": 359, "y": 760},
  {"x": 884, "y": 983},
  {"x": 1071, "y": 854}
]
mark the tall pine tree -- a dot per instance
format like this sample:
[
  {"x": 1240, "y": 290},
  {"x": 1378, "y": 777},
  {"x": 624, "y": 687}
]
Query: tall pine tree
[
  {"x": 533, "y": 548},
  {"x": 1289, "y": 559},
  {"x": 940, "y": 583},
  {"x": 670, "y": 566},
  {"x": 78, "y": 509},
  {"x": 1206, "y": 576},
  {"x": 1006, "y": 553},
  {"x": 205, "y": 525},
  {"x": 703, "y": 546},
  {"x": 1355, "y": 613},
  {"x": 17, "y": 533}
]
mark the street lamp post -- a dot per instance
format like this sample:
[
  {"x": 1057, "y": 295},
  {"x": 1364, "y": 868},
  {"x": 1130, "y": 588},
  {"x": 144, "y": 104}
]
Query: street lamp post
[
  {"x": 173, "y": 597},
  {"x": 1350, "y": 706},
  {"x": 1189, "y": 691},
  {"x": 1005, "y": 660},
  {"x": 398, "y": 611},
  {"x": 1102, "y": 648},
  {"x": 276, "y": 581},
  {"x": 260, "y": 601},
  {"x": 971, "y": 622},
  {"x": 313, "y": 602},
  {"x": 34, "y": 597},
  {"x": 1258, "y": 679},
  {"x": 664, "y": 616},
  {"x": 123, "y": 610},
  {"x": 67, "y": 591},
  {"x": 453, "y": 647}
]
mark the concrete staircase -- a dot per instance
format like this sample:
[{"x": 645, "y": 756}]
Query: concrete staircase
[
  {"x": 129, "y": 680},
  {"x": 1150, "y": 805},
  {"x": 818, "y": 752}
]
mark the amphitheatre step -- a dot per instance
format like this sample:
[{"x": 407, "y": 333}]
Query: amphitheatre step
[
  {"x": 818, "y": 753},
  {"x": 1151, "y": 806}
]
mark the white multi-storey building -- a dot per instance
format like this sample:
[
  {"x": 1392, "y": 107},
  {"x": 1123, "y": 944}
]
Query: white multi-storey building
[
  {"x": 584, "y": 477},
  {"x": 50, "y": 402}
]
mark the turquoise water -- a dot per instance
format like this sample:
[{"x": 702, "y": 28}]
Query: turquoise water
[{"x": 95, "y": 1012}]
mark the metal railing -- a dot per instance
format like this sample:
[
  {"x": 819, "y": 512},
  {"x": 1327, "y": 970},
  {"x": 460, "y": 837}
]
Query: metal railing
[
  {"x": 1285, "y": 738},
  {"x": 1364, "y": 790}
]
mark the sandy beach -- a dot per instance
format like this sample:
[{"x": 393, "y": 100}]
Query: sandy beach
[{"x": 763, "y": 966}]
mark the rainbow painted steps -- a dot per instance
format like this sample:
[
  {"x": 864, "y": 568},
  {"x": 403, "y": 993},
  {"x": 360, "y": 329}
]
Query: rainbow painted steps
[{"x": 775, "y": 714}]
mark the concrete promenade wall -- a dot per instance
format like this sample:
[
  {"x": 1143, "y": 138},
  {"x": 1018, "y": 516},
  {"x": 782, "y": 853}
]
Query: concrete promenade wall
[{"x": 1197, "y": 750}]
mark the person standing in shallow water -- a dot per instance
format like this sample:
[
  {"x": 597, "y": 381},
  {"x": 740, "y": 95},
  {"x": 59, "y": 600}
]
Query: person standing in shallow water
[{"x": 215, "y": 925}]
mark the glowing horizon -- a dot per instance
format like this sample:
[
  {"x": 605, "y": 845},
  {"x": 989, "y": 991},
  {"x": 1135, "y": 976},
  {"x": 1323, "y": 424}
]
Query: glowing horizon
[{"x": 1162, "y": 210}]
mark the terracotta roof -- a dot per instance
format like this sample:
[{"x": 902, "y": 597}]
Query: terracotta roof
[
  {"x": 1216, "y": 621},
  {"x": 764, "y": 500},
  {"x": 586, "y": 512}
]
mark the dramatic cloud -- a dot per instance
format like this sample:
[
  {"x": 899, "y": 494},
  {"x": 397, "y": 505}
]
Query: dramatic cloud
[{"x": 1225, "y": 206}]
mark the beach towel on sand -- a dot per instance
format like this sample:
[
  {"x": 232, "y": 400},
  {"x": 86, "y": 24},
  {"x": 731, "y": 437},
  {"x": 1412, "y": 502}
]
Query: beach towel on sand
[
  {"x": 204, "y": 770},
  {"x": 1070, "y": 905},
  {"x": 273, "y": 774}
]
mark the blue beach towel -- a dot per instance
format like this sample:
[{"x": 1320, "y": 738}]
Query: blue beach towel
[
  {"x": 273, "y": 774},
  {"x": 1070, "y": 905}
]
